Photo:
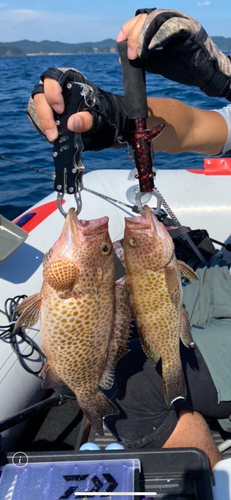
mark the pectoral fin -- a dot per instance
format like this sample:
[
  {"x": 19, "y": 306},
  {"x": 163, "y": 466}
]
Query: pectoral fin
[
  {"x": 28, "y": 311},
  {"x": 187, "y": 271}
]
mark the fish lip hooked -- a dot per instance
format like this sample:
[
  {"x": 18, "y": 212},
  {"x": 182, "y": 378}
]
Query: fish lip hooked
[
  {"x": 93, "y": 226},
  {"x": 143, "y": 221}
]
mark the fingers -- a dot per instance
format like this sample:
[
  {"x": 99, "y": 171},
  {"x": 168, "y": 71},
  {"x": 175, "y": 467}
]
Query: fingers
[
  {"x": 53, "y": 93},
  {"x": 45, "y": 117},
  {"x": 45, "y": 104},
  {"x": 130, "y": 31},
  {"x": 52, "y": 100}
]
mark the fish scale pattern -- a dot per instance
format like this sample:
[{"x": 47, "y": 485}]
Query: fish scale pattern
[{"x": 153, "y": 281}]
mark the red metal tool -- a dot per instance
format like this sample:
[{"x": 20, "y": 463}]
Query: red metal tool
[{"x": 141, "y": 137}]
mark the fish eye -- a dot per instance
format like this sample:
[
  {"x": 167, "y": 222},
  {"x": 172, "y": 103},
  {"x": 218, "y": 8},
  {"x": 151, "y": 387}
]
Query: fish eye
[
  {"x": 133, "y": 242},
  {"x": 105, "y": 249}
]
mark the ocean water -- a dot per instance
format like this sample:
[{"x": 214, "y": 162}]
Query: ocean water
[{"x": 19, "y": 187}]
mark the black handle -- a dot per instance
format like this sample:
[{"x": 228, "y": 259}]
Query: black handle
[
  {"x": 65, "y": 146},
  {"x": 134, "y": 84}
]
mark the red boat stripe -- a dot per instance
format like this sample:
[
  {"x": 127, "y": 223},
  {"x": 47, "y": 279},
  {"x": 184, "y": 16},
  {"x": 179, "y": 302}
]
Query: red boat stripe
[
  {"x": 214, "y": 166},
  {"x": 34, "y": 217}
]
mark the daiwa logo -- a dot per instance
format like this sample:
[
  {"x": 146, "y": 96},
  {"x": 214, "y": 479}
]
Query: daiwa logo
[{"x": 98, "y": 485}]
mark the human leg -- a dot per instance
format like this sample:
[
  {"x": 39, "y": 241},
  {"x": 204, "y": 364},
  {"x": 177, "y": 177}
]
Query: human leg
[
  {"x": 146, "y": 422},
  {"x": 192, "y": 431}
]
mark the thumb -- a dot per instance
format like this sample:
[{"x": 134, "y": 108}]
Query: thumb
[{"x": 80, "y": 122}]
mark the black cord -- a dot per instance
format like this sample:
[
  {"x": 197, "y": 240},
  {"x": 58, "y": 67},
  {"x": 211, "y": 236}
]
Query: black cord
[
  {"x": 227, "y": 246},
  {"x": 19, "y": 337}
]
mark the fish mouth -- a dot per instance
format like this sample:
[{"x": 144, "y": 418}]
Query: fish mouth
[
  {"x": 75, "y": 231},
  {"x": 93, "y": 226},
  {"x": 143, "y": 221},
  {"x": 147, "y": 221}
]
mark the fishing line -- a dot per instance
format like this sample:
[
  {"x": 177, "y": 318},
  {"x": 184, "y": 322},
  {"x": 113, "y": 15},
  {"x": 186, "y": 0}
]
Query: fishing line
[
  {"x": 134, "y": 208},
  {"x": 27, "y": 166}
]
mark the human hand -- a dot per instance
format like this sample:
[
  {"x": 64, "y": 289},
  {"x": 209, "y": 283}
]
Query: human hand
[
  {"x": 101, "y": 122},
  {"x": 176, "y": 46},
  {"x": 52, "y": 100},
  {"x": 130, "y": 32}
]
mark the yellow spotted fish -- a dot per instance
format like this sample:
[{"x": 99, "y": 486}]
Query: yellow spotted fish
[
  {"x": 84, "y": 319},
  {"x": 153, "y": 282}
]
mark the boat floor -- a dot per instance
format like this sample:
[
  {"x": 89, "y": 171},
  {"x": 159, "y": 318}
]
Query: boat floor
[{"x": 64, "y": 427}]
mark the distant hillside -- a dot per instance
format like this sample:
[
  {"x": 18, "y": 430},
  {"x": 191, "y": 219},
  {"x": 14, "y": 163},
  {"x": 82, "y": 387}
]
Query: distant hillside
[
  {"x": 48, "y": 47},
  {"x": 27, "y": 47},
  {"x": 8, "y": 50},
  {"x": 223, "y": 43}
]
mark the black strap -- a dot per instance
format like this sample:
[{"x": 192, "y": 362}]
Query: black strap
[{"x": 144, "y": 11}]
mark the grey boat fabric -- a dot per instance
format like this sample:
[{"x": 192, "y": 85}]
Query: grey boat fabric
[{"x": 208, "y": 304}]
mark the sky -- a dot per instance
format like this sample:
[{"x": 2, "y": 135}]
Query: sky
[{"x": 76, "y": 21}]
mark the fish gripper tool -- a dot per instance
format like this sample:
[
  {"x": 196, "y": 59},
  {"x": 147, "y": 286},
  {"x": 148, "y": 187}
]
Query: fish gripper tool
[
  {"x": 68, "y": 147},
  {"x": 141, "y": 137}
]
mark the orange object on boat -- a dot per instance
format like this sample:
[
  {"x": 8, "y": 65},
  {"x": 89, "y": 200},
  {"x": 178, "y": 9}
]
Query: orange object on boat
[{"x": 214, "y": 166}]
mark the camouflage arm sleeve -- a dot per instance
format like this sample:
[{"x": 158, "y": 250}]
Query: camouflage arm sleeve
[{"x": 176, "y": 46}]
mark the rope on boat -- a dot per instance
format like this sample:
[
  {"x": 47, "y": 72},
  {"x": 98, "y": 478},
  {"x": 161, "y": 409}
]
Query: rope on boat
[{"x": 19, "y": 338}]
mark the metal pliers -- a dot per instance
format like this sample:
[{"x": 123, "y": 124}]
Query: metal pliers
[
  {"x": 141, "y": 137},
  {"x": 68, "y": 148}
]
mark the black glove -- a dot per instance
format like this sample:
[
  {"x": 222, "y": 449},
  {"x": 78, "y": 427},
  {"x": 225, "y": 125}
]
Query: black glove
[
  {"x": 111, "y": 126},
  {"x": 188, "y": 54}
]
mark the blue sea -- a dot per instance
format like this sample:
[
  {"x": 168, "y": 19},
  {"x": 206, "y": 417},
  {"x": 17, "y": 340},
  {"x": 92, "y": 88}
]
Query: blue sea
[{"x": 20, "y": 187}]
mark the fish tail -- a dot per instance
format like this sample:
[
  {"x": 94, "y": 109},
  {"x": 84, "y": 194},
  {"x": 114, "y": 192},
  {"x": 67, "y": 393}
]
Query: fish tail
[
  {"x": 96, "y": 406},
  {"x": 174, "y": 383}
]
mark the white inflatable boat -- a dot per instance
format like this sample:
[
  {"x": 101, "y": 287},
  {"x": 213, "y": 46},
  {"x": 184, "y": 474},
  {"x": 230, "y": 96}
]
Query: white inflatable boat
[{"x": 199, "y": 199}]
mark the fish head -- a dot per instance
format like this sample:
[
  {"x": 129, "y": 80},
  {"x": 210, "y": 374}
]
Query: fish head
[
  {"x": 95, "y": 249},
  {"x": 82, "y": 245},
  {"x": 147, "y": 243}
]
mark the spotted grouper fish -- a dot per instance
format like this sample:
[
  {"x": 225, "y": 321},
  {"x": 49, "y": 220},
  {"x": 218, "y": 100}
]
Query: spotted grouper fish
[
  {"x": 84, "y": 319},
  {"x": 154, "y": 287}
]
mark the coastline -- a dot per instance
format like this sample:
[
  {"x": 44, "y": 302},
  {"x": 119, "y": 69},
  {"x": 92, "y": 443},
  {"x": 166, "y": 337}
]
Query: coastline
[{"x": 112, "y": 52}]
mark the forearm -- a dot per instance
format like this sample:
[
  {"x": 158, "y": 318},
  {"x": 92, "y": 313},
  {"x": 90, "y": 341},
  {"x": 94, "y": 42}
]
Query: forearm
[{"x": 186, "y": 128}]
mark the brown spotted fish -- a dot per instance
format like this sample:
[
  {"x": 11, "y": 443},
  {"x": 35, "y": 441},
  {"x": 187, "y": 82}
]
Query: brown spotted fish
[
  {"x": 154, "y": 286},
  {"x": 84, "y": 319}
]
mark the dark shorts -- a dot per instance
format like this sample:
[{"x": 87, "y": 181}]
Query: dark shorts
[{"x": 144, "y": 419}]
